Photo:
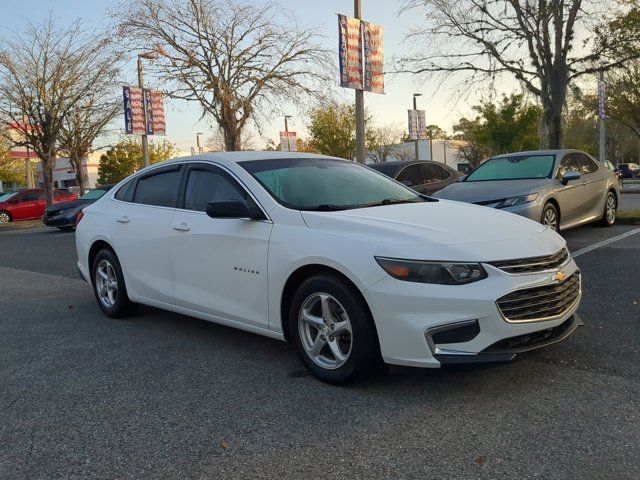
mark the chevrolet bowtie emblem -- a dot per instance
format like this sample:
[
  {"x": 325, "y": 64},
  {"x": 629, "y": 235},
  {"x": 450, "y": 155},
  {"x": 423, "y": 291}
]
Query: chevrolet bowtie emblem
[{"x": 559, "y": 276}]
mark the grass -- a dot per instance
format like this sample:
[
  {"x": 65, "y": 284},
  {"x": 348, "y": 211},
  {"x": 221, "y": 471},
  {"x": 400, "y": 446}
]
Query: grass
[
  {"x": 21, "y": 225},
  {"x": 629, "y": 216}
]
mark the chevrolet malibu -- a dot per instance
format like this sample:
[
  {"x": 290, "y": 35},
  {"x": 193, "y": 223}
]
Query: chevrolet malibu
[{"x": 350, "y": 266}]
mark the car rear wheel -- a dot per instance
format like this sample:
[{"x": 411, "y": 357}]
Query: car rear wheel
[
  {"x": 610, "y": 210},
  {"x": 5, "y": 217},
  {"x": 108, "y": 285},
  {"x": 551, "y": 217},
  {"x": 333, "y": 330}
]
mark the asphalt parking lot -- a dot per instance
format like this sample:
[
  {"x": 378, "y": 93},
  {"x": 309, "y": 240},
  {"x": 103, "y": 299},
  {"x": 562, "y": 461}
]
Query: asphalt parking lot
[{"x": 165, "y": 396}]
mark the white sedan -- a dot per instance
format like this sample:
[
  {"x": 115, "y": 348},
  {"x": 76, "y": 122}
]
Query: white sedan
[{"x": 350, "y": 266}]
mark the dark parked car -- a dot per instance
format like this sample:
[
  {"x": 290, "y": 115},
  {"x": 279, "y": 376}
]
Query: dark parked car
[
  {"x": 629, "y": 170},
  {"x": 64, "y": 215},
  {"x": 422, "y": 176}
]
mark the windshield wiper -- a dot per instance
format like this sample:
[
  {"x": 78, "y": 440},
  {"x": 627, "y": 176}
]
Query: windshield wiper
[
  {"x": 392, "y": 201},
  {"x": 329, "y": 207}
]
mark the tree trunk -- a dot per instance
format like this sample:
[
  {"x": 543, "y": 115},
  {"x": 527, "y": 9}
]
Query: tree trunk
[
  {"x": 232, "y": 141},
  {"x": 81, "y": 178},
  {"x": 48, "y": 167},
  {"x": 551, "y": 126}
]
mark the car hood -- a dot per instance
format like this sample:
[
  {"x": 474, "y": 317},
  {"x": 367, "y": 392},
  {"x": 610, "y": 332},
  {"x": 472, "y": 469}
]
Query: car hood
[
  {"x": 441, "y": 230},
  {"x": 472, "y": 192},
  {"x": 56, "y": 207}
]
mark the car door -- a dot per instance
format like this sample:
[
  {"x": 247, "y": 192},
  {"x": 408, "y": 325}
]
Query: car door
[
  {"x": 569, "y": 196},
  {"x": 140, "y": 219},
  {"x": 412, "y": 177},
  {"x": 593, "y": 181},
  {"x": 436, "y": 177},
  {"x": 219, "y": 264},
  {"x": 26, "y": 206}
]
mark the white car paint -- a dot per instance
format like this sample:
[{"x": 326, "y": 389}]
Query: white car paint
[{"x": 187, "y": 262}]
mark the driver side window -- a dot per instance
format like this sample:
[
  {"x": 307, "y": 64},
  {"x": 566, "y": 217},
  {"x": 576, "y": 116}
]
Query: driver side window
[
  {"x": 568, "y": 164},
  {"x": 411, "y": 176},
  {"x": 205, "y": 185}
]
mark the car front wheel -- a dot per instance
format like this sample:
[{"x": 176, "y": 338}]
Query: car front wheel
[
  {"x": 5, "y": 217},
  {"x": 610, "y": 210},
  {"x": 550, "y": 217},
  {"x": 333, "y": 331}
]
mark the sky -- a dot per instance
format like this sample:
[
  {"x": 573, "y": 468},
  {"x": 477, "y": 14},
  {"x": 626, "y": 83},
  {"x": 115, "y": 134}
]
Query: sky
[{"x": 443, "y": 106}]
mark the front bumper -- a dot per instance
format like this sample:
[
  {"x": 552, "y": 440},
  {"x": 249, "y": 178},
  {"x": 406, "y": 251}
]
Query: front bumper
[
  {"x": 62, "y": 220},
  {"x": 406, "y": 314}
]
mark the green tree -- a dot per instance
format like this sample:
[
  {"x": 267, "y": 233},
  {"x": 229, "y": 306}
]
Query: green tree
[
  {"x": 508, "y": 126},
  {"x": 125, "y": 157},
  {"x": 332, "y": 130},
  {"x": 11, "y": 169}
]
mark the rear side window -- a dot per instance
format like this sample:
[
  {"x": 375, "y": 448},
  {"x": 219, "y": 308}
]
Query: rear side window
[
  {"x": 125, "y": 192},
  {"x": 587, "y": 165},
  {"x": 411, "y": 176},
  {"x": 434, "y": 173},
  {"x": 159, "y": 188},
  {"x": 208, "y": 185},
  {"x": 30, "y": 196}
]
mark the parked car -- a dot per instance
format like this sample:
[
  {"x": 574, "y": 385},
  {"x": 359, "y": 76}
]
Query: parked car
[
  {"x": 422, "y": 176},
  {"x": 350, "y": 266},
  {"x": 28, "y": 204},
  {"x": 558, "y": 188},
  {"x": 64, "y": 215},
  {"x": 611, "y": 167},
  {"x": 629, "y": 170}
]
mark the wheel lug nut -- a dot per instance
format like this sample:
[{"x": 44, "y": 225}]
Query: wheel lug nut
[
  {"x": 322, "y": 337},
  {"x": 331, "y": 338},
  {"x": 333, "y": 327}
]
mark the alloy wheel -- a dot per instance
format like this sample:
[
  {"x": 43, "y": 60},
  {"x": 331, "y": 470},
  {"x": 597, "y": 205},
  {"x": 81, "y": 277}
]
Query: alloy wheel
[
  {"x": 106, "y": 283},
  {"x": 610, "y": 209},
  {"x": 550, "y": 218},
  {"x": 325, "y": 330},
  {"x": 4, "y": 217}
]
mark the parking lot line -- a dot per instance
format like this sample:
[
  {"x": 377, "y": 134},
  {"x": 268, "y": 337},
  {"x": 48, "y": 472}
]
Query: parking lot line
[{"x": 590, "y": 248}]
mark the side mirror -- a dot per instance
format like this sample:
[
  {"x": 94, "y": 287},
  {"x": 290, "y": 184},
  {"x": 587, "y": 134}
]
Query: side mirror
[
  {"x": 569, "y": 176},
  {"x": 234, "y": 209}
]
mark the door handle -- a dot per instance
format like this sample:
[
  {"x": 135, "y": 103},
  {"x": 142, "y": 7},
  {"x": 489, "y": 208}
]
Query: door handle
[
  {"x": 182, "y": 227},
  {"x": 122, "y": 219}
]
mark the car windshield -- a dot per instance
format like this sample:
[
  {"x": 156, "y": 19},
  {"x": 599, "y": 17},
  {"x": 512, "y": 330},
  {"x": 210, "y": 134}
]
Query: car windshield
[
  {"x": 6, "y": 196},
  {"x": 93, "y": 194},
  {"x": 326, "y": 184},
  {"x": 518, "y": 167}
]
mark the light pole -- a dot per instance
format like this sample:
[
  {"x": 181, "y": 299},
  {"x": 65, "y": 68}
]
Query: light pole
[
  {"x": 602, "y": 93},
  {"x": 360, "y": 146},
  {"x": 198, "y": 141},
  {"x": 415, "y": 109},
  {"x": 145, "y": 140},
  {"x": 286, "y": 129}
]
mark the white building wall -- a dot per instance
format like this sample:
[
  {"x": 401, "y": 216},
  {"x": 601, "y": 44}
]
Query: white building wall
[{"x": 64, "y": 176}]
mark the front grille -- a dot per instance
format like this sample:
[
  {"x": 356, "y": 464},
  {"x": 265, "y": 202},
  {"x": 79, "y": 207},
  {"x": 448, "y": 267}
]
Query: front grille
[
  {"x": 533, "y": 264},
  {"x": 540, "y": 302}
]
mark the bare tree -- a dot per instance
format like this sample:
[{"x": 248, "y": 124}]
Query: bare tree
[
  {"x": 90, "y": 120},
  {"x": 216, "y": 143},
  {"x": 533, "y": 41},
  {"x": 45, "y": 73},
  {"x": 404, "y": 151},
  {"x": 235, "y": 59},
  {"x": 384, "y": 142}
]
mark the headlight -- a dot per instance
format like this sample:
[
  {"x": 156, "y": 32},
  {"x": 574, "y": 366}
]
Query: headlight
[
  {"x": 510, "y": 202},
  {"x": 443, "y": 273}
]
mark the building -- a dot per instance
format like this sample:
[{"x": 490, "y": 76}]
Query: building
[{"x": 64, "y": 174}]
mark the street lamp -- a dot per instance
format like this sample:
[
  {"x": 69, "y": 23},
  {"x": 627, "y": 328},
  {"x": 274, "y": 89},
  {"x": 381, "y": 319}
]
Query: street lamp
[
  {"x": 415, "y": 108},
  {"x": 286, "y": 129},
  {"x": 152, "y": 55},
  {"x": 198, "y": 141}
]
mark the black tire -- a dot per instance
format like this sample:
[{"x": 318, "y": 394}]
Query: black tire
[
  {"x": 549, "y": 210},
  {"x": 364, "y": 358},
  {"x": 6, "y": 217},
  {"x": 122, "y": 306},
  {"x": 608, "y": 220}
]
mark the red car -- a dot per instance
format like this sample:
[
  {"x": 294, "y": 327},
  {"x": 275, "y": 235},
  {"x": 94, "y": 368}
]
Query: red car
[{"x": 28, "y": 204}]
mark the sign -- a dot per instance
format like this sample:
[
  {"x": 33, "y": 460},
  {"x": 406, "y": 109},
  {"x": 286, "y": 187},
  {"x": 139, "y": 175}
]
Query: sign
[
  {"x": 373, "y": 57},
  {"x": 133, "y": 111},
  {"x": 137, "y": 104},
  {"x": 350, "y": 52},
  {"x": 602, "y": 99},
  {"x": 417, "y": 125},
  {"x": 288, "y": 142}
]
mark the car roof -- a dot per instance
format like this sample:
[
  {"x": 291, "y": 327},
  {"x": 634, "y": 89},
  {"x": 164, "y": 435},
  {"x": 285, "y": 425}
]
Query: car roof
[
  {"x": 401, "y": 163},
  {"x": 237, "y": 157},
  {"x": 560, "y": 151}
]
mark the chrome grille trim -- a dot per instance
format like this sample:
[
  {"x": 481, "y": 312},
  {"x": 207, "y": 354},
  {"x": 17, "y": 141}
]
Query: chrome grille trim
[
  {"x": 534, "y": 264},
  {"x": 540, "y": 303}
]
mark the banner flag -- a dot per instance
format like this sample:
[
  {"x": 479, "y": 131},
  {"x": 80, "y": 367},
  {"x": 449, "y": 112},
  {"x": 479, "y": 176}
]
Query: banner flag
[
  {"x": 157, "y": 110},
  {"x": 350, "y": 52},
  {"x": 417, "y": 125},
  {"x": 288, "y": 142},
  {"x": 602, "y": 99},
  {"x": 373, "y": 57},
  {"x": 133, "y": 110}
]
